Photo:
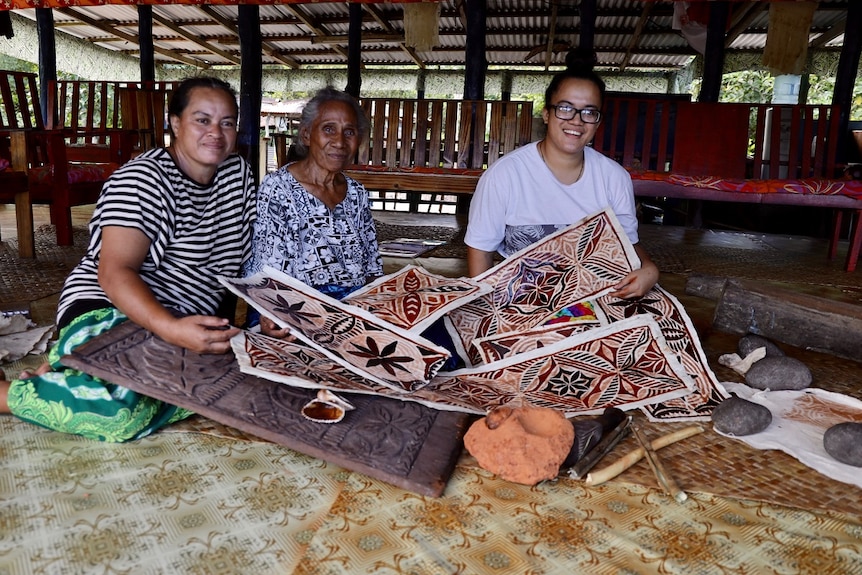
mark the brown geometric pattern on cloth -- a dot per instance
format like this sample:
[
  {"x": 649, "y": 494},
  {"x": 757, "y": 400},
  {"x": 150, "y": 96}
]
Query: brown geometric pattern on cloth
[
  {"x": 485, "y": 319},
  {"x": 193, "y": 503},
  {"x": 627, "y": 364},
  {"x": 414, "y": 298},
  {"x": 500, "y": 346},
  {"x": 679, "y": 332},
  {"x": 351, "y": 336},
  {"x": 533, "y": 284}
]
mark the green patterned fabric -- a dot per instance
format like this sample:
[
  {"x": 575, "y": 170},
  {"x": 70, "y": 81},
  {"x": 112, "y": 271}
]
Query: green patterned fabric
[{"x": 74, "y": 402}]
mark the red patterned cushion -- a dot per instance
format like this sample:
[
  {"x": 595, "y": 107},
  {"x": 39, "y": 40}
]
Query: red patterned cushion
[
  {"x": 78, "y": 173},
  {"x": 808, "y": 186},
  {"x": 4, "y": 163}
]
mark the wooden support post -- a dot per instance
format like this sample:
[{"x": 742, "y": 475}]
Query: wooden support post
[{"x": 251, "y": 46}]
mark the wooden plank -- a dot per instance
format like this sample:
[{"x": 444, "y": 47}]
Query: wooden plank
[
  {"x": 653, "y": 110},
  {"x": 525, "y": 123},
  {"x": 711, "y": 139},
  {"x": 437, "y": 126},
  {"x": 759, "y": 127},
  {"x": 477, "y": 142},
  {"x": 405, "y": 146},
  {"x": 497, "y": 130},
  {"x": 632, "y": 116},
  {"x": 420, "y": 157},
  {"x": 393, "y": 116},
  {"x": 378, "y": 121},
  {"x": 415, "y": 181},
  {"x": 418, "y": 454},
  {"x": 452, "y": 135}
]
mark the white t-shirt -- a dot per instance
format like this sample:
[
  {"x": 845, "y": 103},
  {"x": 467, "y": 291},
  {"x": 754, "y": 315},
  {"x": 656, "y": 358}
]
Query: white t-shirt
[{"x": 518, "y": 201}]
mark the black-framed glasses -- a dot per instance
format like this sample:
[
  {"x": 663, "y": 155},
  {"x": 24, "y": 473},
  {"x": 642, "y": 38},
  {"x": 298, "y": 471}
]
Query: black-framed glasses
[{"x": 567, "y": 112}]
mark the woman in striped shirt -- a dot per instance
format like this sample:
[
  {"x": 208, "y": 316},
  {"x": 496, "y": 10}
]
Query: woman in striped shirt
[{"x": 166, "y": 225}]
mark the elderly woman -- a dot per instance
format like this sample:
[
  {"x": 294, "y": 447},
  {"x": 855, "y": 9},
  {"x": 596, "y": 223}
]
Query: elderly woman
[
  {"x": 165, "y": 226},
  {"x": 314, "y": 223}
]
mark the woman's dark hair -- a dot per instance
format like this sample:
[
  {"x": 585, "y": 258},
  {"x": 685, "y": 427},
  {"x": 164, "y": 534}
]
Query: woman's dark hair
[
  {"x": 579, "y": 66},
  {"x": 312, "y": 109},
  {"x": 180, "y": 96}
]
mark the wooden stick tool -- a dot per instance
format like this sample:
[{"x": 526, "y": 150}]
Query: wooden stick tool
[
  {"x": 599, "y": 476},
  {"x": 665, "y": 479}
]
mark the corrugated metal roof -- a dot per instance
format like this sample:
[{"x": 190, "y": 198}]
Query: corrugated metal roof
[{"x": 518, "y": 32}]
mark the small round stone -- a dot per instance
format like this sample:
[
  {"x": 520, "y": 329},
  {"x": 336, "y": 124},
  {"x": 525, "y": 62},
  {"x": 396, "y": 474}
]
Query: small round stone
[
  {"x": 777, "y": 373},
  {"x": 737, "y": 416},
  {"x": 750, "y": 342},
  {"x": 844, "y": 442}
]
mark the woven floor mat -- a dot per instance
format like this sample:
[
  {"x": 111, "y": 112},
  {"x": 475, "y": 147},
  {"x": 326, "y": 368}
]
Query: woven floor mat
[
  {"x": 24, "y": 279},
  {"x": 711, "y": 463}
]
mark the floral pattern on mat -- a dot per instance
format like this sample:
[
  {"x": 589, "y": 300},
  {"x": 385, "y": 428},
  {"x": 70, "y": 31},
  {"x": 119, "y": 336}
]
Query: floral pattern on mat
[
  {"x": 192, "y": 503},
  {"x": 414, "y": 298},
  {"x": 531, "y": 286},
  {"x": 356, "y": 339}
]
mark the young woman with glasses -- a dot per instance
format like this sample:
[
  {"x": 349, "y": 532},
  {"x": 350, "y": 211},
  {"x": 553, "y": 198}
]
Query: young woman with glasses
[{"x": 550, "y": 184}]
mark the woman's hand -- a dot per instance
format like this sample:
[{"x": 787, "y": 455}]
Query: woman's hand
[
  {"x": 272, "y": 329},
  {"x": 638, "y": 282},
  {"x": 200, "y": 333}
]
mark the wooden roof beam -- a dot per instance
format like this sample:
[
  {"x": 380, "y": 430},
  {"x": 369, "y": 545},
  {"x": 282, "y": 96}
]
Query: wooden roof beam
[
  {"x": 384, "y": 23},
  {"x": 195, "y": 39},
  {"x": 636, "y": 36},
  {"x": 309, "y": 23},
  {"x": 268, "y": 48},
  {"x": 742, "y": 17},
  {"x": 172, "y": 54}
]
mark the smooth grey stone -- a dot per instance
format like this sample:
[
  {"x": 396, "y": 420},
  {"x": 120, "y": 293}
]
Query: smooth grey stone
[
  {"x": 750, "y": 342},
  {"x": 776, "y": 373},
  {"x": 844, "y": 442},
  {"x": 737, "y": 416}
]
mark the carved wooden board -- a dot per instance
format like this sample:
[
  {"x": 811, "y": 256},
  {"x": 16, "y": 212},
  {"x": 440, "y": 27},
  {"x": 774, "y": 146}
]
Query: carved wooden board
[{"x": 399, "y": 442}]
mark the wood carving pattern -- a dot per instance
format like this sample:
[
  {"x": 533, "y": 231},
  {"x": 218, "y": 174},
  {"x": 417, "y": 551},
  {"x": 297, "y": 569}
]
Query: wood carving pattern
[
  {"x": 573, "y": 265},
  {"x": 679, "y": 332},
  {"x": 351, "y": 336},
  {"x": 414, "y": 298},
  {"x": 404, "y": 443}
]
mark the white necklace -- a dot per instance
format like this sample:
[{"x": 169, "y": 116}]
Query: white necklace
[{"x": 541, "y": 145}]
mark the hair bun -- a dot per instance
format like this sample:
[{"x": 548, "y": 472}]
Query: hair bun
[{"x": 581, "y": 60}]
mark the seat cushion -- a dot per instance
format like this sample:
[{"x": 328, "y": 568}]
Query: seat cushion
[{"x": 77, "y": 173}]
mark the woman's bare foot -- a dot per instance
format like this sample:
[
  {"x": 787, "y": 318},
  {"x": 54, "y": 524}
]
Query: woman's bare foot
[{"x": 41, "y": 370}]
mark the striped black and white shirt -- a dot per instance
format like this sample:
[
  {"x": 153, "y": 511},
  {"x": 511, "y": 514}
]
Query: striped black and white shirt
[{"x": 198, "y": 232}]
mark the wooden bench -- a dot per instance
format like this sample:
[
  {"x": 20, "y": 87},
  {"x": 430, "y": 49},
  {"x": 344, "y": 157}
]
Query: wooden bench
[
  {"x": 438, "y": 147},
  {"x": 433, "y": 146},
  {"x": 66, "y": 161},
  {"x": 96, "y": 105},
  {"x": 720, "y": 152}
]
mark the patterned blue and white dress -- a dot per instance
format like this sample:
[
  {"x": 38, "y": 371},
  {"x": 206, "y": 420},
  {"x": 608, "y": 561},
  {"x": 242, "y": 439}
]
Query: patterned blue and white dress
[{"x": 334, "y": 251}]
